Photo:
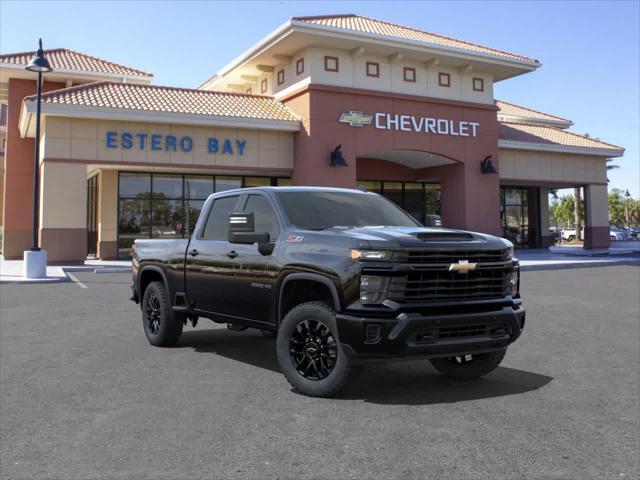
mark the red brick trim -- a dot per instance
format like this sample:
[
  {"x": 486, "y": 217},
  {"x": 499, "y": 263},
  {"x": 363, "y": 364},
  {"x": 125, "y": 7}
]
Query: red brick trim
[{"x": 171, "y": 166}]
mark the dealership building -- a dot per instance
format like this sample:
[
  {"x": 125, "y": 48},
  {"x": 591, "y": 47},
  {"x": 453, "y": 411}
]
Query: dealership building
[{"x": 338, "y": 100}]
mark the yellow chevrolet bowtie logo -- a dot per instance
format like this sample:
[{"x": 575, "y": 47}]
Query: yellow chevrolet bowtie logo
[
  {"x": 356, "y": 119},
  {"x": 463, "y": 266}
]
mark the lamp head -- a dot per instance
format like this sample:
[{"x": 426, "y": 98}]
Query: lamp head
[{"x": 39, "y": 62}]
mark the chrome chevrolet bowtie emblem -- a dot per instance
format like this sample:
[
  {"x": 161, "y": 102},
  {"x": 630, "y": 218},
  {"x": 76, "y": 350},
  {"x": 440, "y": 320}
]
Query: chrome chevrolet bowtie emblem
[
  {"x": 355, "y": 119},
  {"x": 463, "y": 266}
]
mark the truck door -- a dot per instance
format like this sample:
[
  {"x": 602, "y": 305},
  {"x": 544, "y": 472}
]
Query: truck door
[
  {"x": 208, "y": 268},
  {"x": 252, "y": 290}
]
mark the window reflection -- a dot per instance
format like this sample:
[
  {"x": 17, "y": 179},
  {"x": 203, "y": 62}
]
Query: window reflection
[{"x": 168, "y": 205}]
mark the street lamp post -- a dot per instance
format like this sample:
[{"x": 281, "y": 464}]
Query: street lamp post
[
  {"x": 35, "y": 260},
  {"x": 626, "y": 208}
]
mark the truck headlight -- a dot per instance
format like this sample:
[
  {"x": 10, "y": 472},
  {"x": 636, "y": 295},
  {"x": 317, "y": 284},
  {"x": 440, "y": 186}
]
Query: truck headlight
[
  {"x": 373, "y": 289},
  {"x": 514, "y": 282},
  {"x": 369, "y": 254},
  {"x": 510, "y": 252}
]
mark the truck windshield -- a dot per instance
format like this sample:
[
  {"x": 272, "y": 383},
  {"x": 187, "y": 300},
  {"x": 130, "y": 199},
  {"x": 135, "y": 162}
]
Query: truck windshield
[{"x": 321, "y": 210}]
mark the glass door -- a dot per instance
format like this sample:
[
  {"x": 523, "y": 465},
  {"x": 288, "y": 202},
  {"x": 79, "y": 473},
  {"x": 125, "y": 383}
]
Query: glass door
[{"x": 92, "y": 216}]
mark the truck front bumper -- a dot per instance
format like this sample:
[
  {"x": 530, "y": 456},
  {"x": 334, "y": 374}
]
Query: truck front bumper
[{"x": 416, "y": 334}]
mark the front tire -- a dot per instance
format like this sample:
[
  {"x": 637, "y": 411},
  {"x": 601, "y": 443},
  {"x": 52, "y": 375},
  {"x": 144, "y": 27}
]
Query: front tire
[
  {"x": 161, "y": 325},
  {"x": 309, "y": 352},
  {"x": 468, "y": 367}
]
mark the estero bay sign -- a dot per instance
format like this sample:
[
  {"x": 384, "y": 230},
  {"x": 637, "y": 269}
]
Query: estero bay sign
[
  {"x": 171, "y": 143},
  {"x": 411, "y": 123}
]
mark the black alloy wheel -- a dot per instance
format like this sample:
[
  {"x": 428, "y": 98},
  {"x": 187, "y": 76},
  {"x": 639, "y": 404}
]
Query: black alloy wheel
[
  {"x": 154, "y": 313},
  {"x": 313, "y": 349}
]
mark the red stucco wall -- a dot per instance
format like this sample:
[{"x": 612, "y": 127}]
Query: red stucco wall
[{"x": 469, "y": 199}]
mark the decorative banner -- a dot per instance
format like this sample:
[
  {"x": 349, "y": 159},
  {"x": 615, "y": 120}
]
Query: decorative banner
[
  {"x": 410, "y": 123},
  {"x": 171, "y": 143}
]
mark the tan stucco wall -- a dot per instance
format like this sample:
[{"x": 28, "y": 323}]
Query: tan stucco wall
[
  {"x": 352, "y": 74},
  {"x": 63, "y": 195},
  {"x": 108, "y": 206},
  {"x": 552, "y": 167},
  {"x": 80, "y": 139},
  {"x": 597, "y": 211}
]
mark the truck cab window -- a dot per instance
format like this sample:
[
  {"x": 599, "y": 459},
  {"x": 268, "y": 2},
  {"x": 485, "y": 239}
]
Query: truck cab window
[
  {"x": 217, "y": 226},
  {"x": 264, "y": 216}
]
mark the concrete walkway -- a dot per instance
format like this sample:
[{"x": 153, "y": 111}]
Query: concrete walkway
[{"x": 11, "y": 270}]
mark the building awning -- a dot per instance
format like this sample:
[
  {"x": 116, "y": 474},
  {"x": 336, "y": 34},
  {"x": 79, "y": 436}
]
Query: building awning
[
  {"x": 149, "y": 103},
  {"x": 545, "y": 138}
]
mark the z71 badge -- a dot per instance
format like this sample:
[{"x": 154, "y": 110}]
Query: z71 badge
[{"x": 295, "y": 238}]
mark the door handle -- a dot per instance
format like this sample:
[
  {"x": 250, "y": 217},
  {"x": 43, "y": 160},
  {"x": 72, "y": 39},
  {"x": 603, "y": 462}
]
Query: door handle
[
  {"x": 194, "y": 253},
  {"x": 232, "y": 254}
]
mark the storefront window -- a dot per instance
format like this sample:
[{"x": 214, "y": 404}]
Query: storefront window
[
  {"x": 257, "y": 182},
  {"x": 228, "y": 183},
  {"x": 168, "y": 205},
  {"x": 417, "y": 198},
  {"x": 514, "y": 214}
]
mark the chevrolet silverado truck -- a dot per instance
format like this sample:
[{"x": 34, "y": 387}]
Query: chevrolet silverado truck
[{"x": 341, "y": 278}]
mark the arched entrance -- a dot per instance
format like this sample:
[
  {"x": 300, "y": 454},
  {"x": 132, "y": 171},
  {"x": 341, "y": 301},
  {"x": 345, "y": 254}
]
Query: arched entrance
[{"x": 409, "y": 178}]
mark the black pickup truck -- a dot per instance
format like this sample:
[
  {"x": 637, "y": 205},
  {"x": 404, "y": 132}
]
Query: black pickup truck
[{"x": 341, "y": 278}]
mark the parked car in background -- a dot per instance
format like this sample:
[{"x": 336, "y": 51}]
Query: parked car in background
[
  {"x": 618, "y": 234},
  {"x": 569, "y": 234}
]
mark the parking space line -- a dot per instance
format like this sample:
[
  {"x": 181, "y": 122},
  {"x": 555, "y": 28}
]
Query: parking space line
[{"x": 75, "y": 280}]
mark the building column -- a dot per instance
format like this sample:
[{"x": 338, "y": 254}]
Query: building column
[
  {"x": 596, "y": 216},
  {"x": 63, "y": 211},
  {"x": 108, "y": 215},
  {"x": 18, "y": 173},
  {"x": 546, "y": 239},
  {"x": 469, "y": 200}
]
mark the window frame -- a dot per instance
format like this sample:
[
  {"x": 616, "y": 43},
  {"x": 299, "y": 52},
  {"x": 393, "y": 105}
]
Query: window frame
[
  {"x": 276, "y": 213},
  {"x": 203, "y": 226},
  {"x": 300, "y": 66},
  {"x": 327, "y": 59},
  {"x": 280, "y": 76},
  {"x": 480, "y": 82},
  {"x": 441, "y": 82},
  {"x": 407, "y": 70},
  {"x": 377, "y": 67},
  {"x": 264, "y": 85}
]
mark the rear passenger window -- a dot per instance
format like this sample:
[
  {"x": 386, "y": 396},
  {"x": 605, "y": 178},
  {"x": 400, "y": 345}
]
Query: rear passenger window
[
  {"x": 264, "y": 216},
  {"x": 217, "y": 226}
]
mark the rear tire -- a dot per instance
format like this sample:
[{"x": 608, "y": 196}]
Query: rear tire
[
  {"x": 309, "y": 351},
  {"x": 468, "y": 367},
  {"x": 161, "y": 325}
]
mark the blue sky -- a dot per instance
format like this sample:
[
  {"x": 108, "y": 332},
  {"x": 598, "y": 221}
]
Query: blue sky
[{"x": 589, "y": 50}]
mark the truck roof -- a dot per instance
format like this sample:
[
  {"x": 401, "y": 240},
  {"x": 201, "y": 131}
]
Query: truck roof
[{"x": 295, "y": 189}]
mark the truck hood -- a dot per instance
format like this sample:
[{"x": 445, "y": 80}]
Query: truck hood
[{"x": 420, "y": 237}]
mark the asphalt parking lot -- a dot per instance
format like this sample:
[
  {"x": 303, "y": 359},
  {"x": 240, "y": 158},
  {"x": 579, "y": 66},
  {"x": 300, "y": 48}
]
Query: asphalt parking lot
[{"x": 84, "y": 396}]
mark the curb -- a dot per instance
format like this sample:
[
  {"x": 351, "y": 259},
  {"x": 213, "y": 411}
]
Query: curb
[{"x": 566, "y": 266}]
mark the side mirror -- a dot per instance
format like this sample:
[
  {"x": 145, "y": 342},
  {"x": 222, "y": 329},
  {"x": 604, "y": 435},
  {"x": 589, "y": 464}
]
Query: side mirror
[{"x": 241, "y": 229}]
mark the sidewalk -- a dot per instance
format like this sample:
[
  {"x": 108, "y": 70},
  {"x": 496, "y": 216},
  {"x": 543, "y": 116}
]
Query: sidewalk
[{"x": 11, "y": 270}]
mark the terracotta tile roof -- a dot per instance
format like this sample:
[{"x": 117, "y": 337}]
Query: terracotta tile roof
[
  {"x": 517, "y": 132},
  {"x": 513, "y": 110},
  {"x": 65, "y": 59},
  {"x": 152, "y": 98},
  {"x": 370, "y": 25}
]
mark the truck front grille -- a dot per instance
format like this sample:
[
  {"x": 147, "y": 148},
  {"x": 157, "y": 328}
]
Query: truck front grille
[
  {"x": 442, "y": 285},
  {"x": 452, "y": 256}
]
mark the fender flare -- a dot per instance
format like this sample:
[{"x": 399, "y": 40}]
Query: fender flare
[
  {"x": 153, "y": 268},
  {"x": 315, "y": 277}
]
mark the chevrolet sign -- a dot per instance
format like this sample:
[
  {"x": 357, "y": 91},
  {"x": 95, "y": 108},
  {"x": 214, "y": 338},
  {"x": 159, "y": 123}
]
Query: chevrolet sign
[
  {"x": 355, "y": 119},
  {"x": 463, "y": 266}
]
